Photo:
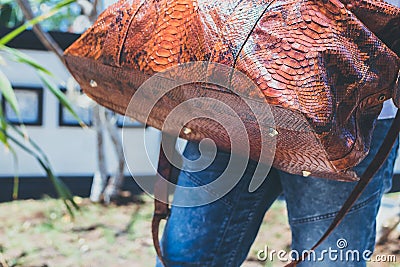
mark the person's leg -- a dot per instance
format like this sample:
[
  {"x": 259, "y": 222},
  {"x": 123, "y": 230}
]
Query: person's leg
[
  {"x": 313, "y": 202},
  {"x": 219, "y": 233}
]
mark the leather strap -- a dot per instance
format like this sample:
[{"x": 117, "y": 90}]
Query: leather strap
[
  {"x": 367, "y": 176},
  {"x": 161, "y": 206},
  {"x": 164, "y": 169}
]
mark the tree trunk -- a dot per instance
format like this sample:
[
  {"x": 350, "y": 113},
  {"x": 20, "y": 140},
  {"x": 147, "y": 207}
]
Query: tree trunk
[
  {"x": 116, "y": 181},
  {"x": 100, "y": 176}
]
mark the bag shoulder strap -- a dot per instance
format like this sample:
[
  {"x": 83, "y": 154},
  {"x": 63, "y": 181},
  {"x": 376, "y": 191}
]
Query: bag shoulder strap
[{"x": 161, "y": 205}]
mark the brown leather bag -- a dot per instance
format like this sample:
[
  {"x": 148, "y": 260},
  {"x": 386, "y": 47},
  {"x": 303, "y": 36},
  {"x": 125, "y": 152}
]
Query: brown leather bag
[
  {"x": 324, "y": 67},
  {"x": 324, "y": 74}
]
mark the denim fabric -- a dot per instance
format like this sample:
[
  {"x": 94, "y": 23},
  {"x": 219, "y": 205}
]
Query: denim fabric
[{"x": 222, "y": 232}]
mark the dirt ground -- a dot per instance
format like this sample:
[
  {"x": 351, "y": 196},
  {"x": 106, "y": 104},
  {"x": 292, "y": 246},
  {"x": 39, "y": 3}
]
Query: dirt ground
[{"x": 39, "y": 233}]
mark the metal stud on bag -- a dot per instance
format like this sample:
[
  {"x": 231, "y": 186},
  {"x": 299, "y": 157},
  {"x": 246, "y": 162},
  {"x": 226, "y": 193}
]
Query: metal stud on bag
[{"x": 93, "y": 83}]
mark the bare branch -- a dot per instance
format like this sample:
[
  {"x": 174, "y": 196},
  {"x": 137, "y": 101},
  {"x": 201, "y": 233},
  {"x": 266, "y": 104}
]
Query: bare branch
[
  {"x": 100, "y": 178},
  {"x": 43, "y": 36},
  {"x": 94, "y": 14},
  {"x": 116, "y": 181}
]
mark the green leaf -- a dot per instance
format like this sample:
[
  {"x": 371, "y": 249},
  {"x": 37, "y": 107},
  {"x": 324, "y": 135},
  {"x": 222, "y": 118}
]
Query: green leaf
[
  {"x": 42, "y": 72},
  {"x": 23, "y": 136},
  {"x": 3, "y": 126},
  {"x": 4, "y": 140},
  {"x": 61, "y": 189},
  {"x": 8, "y": 92},
  {"x": 23, "y": 58},
  {"x": 8, "y": 37},
  {"x": 60, "y": 96}
]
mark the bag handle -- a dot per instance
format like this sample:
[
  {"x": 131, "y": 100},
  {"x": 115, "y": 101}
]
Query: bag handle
[
  {"x": 164, "y": 169},
  {"x": 161, "y": 204}
]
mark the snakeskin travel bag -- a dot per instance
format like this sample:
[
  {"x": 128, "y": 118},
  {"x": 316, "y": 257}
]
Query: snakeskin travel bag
[{"x": 300, "y": 84}]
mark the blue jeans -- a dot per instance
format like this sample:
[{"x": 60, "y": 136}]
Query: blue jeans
[{"x": 222, "y": 232}]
